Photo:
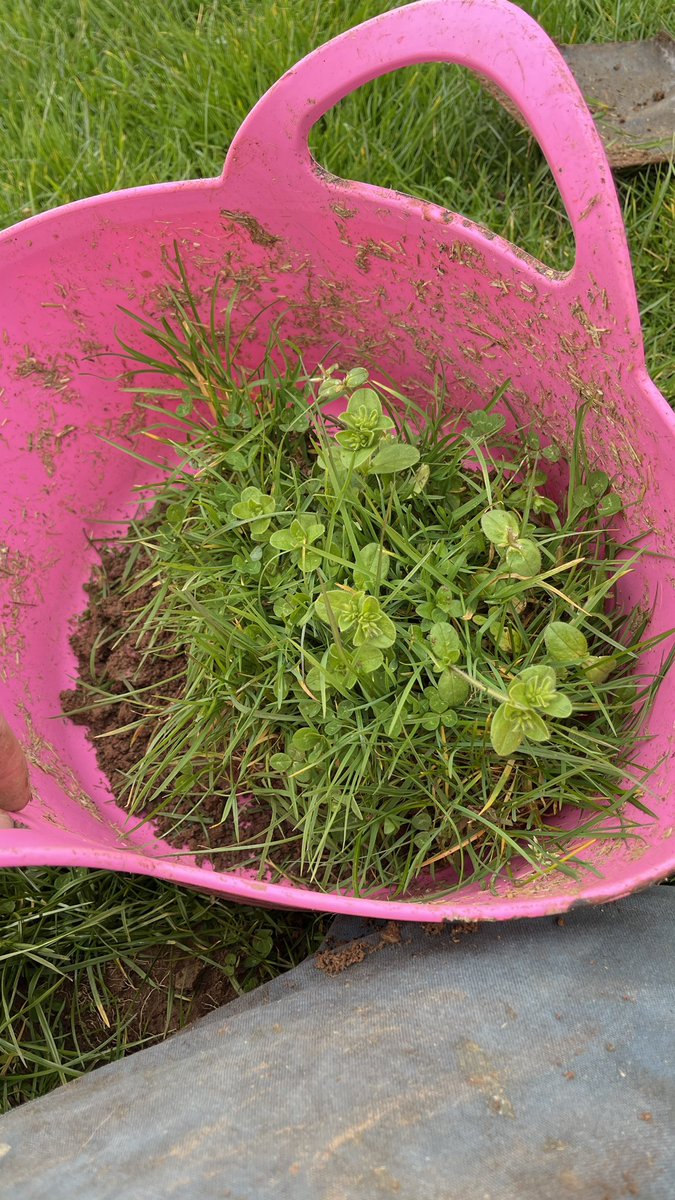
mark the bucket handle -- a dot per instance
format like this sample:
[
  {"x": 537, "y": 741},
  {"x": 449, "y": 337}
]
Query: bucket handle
[{"x": 496, "y": 39}]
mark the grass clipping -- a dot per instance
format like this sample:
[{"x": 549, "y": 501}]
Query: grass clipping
[{"x": 404, "y": 658}]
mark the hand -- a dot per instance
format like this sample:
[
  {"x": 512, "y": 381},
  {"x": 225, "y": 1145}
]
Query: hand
[{"x": 14, "y": 784}]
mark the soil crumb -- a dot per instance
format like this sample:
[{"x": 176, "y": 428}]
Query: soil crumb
[
  {"x": 335, "y": 961},
  {"x": 456, "y": 929}
]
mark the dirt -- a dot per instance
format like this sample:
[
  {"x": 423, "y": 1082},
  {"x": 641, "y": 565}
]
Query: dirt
[
  {"x": 456, "y": 929},
  {"x": 335, "y": 961},
  {"x": 165, "y": 991},
  {"x": 113, "y": 659},
  {"x": 256, "y": 231},
  {"x": 336, "y": 957}
]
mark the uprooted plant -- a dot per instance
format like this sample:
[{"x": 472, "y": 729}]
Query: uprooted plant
[{"x": 404, "y": 657}]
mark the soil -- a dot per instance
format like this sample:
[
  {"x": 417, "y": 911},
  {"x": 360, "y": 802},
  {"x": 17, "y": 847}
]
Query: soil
[
  {"x": 113, "y": 659},
  {"x": 333, "y": 961},
  {"x": 336, "y": 957},
  {"x": 166, "y": 991}
]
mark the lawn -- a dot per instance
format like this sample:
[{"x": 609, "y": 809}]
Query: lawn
[{"x": 97, "y": 95}]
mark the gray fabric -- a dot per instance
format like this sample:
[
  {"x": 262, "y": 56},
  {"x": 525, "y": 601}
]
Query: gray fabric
[{"x": 530, "y": 1060}]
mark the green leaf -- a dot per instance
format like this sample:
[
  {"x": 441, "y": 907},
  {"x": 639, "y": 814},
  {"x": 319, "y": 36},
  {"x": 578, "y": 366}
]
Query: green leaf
[
  {"x": 281, "y": 762},
  {"x": 330, "y": 389},
  {"x": 436, "y": 702},
  {"x": 308, "y": 560},
  {"x": 453, "y": 690},
  {"x": 426, "y": 610},
  {"x": 306, "y": 739},
  {"x": 235, "y": 459},
  {"x": 371, "y": 565},
  {"x": 354, "y": 457},
  {"x": 364, "y": 404},
  {"x": 421, "y": 479},
  {"x": 367, "y": 658},
  {"x": 505, "y": 731},
  {"x": 336, "y": 670},
  {"x": 283, "y": 540},
  {"x": 558, "y": 706},
  {"x": 373, "y": 625},
  {"x": 543, "y": 504},
  {"x": 609, "y": 506},
  {"x": 534, "y": 686},
  {"x": 293, "y": 608},
  {"x": 445, "y": 644},
  {"x": 430, "y": 720},
  {"x": 501, "y": 528},
  {"x": 306, "y": 528},
  {"x": 535, "y": 728},
  {"x": 508, "y": 639},
  {"x": 356, "y": 377},
  {"x": 247, "y": 566},
  {"x": 598, "y": 482},
  {"x": 446, "y": 600},
  {"x": 524, "y": 559},
  {"x": 565, "y": 643},
  {"x": 583, "y": 498},
  {"x": 344, "y": 606},
  {"x": 254, "y": 508},
  {"x": 598, "y": 668},
  {"x": 175, "y": 514},
  {"x": 355, "y": 440},
  {"x": 393, "y": 456},
  {"x": 485, "y": 424}
]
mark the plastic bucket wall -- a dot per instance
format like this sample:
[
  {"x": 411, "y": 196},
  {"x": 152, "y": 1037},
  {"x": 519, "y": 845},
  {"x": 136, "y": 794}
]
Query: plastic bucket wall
[{"x": 391, "y": 279}]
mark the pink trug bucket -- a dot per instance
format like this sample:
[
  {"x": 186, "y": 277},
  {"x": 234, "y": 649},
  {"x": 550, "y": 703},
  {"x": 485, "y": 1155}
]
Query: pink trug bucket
[{"x": 384, "y": 276}]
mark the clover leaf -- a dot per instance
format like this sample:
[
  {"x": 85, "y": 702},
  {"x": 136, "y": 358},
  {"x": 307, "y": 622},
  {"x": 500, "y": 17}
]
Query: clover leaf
[
  {"x": 609, "y": 505},
  {"x": 451, "y": 691},
  {"x": 485, "y": 424}
]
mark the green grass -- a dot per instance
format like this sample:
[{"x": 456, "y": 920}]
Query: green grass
[
  {"x": 98, "y": 94},
  {"x": 93, "y": 965}
]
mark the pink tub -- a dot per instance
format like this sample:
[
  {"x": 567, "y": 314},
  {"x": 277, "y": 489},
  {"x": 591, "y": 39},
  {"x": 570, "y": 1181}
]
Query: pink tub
[{"x": 384, "y": 275}]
